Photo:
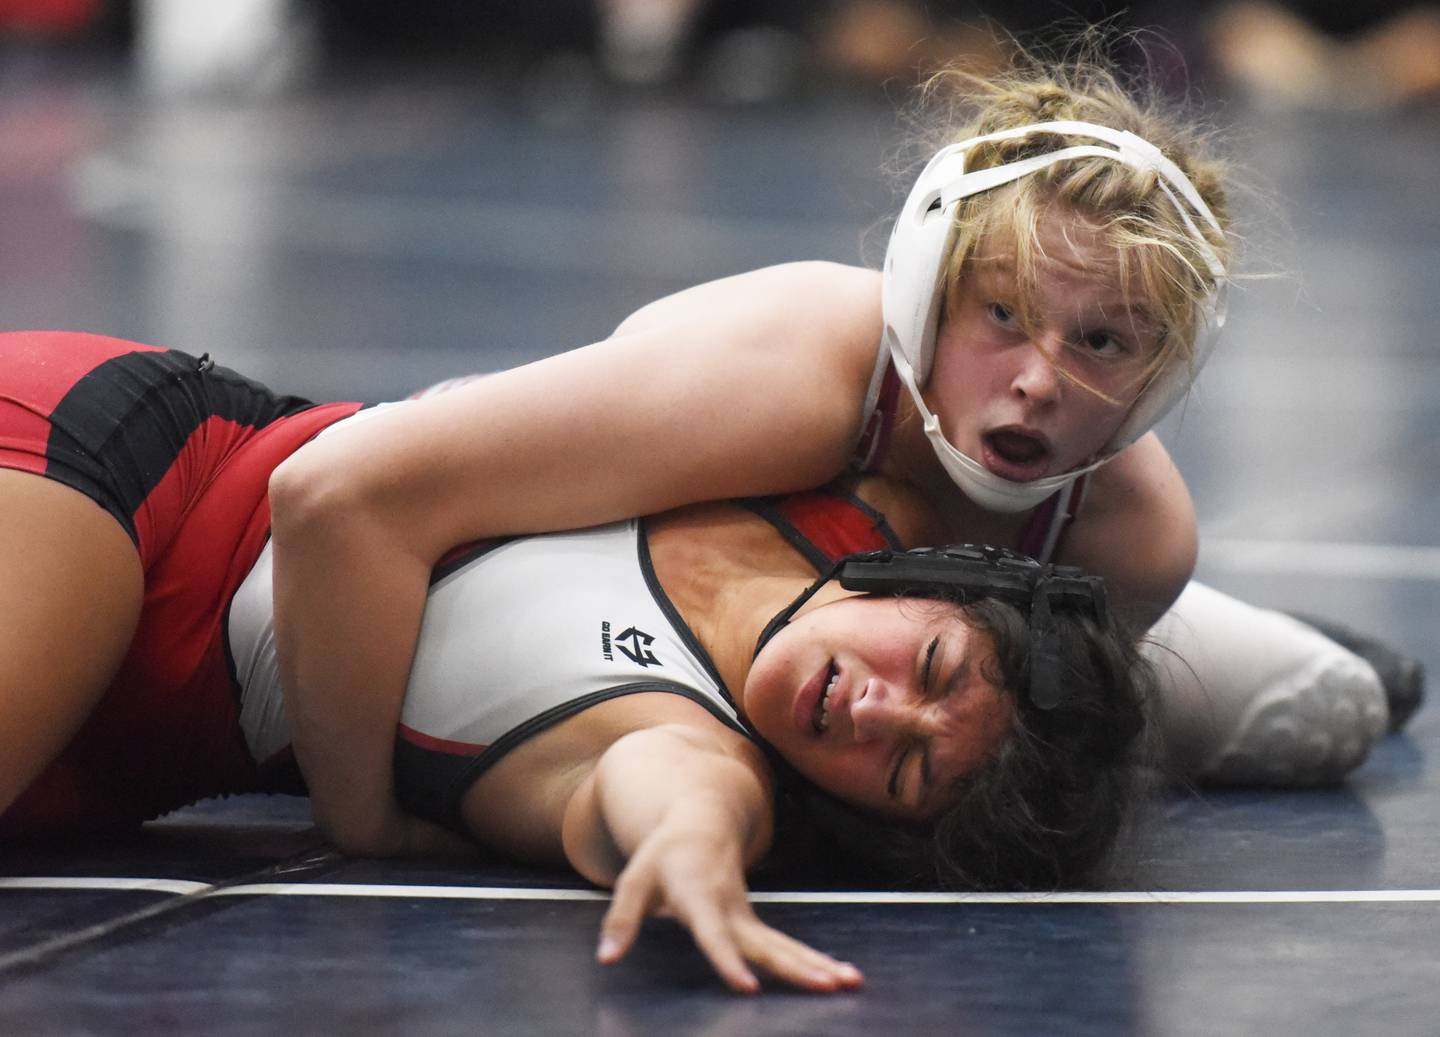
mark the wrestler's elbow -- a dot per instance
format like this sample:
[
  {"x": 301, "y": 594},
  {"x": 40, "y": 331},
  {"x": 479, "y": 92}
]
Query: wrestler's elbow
[{"x": 309, "y": 497}]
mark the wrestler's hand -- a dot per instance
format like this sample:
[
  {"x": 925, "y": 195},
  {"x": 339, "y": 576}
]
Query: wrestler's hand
[
  {"x": 697, "y": 877},
  {"x": 424, "y": 839},
  {"x": 394, "y": 833}
]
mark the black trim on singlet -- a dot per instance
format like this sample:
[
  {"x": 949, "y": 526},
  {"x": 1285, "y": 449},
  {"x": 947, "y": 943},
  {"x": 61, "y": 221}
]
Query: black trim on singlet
[
  {"x": 687, "y": 636},
  {"x": 120, "y": 427},
  {"x": 433, "y": 784},
  {"x": 882, "y": 524},
  {"x": 768, "y": 509},
  {"x": 467, "y": 554}
]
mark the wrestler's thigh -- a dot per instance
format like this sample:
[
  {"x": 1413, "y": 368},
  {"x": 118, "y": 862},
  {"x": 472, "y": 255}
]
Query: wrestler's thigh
[{"x": 70, "y": 599}]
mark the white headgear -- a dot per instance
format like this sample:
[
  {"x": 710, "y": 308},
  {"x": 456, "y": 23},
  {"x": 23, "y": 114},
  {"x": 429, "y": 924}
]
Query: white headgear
[{"x": 913, "y": 286}]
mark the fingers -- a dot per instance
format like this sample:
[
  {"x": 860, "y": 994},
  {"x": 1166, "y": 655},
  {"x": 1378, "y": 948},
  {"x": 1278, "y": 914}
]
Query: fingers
[
  {"x": 733, "y": 942},
  {"x": 725, "y": 929},
  {"x": 718, "y": 942},
  {"x": 635, "y": 894},
  {"x": 797, "y": 963}
]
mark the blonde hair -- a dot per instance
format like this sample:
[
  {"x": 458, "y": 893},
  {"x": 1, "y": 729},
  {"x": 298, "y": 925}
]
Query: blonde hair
[{"x": 1157, "y": 257}]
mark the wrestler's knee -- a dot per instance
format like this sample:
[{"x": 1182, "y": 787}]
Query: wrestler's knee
[{"x": 1252, "y": 696}]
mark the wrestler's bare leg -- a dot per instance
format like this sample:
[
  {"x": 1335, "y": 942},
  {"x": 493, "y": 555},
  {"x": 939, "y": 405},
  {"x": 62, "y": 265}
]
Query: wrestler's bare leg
[{"x": 71, "y": 588}]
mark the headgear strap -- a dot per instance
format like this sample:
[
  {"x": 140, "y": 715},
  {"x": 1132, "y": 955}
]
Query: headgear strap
[
  {"x": 970, "y": 572},
  {"x": 920, "y": 243}
]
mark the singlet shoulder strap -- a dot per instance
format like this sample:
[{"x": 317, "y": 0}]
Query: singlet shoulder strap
[
  {"x": 877, "y": 377},
  {"x": 826, "y": 524},
  {"x": 881, "y": 403},
  {"x": 1047, "y": 526}
]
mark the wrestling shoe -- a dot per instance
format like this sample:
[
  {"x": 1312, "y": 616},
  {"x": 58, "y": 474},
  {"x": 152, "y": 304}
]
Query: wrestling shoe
[
  {"x": 1402, "y": 676},
  {"x": 1312, "y": 728},
  {"x": 1252, "y": 696}
]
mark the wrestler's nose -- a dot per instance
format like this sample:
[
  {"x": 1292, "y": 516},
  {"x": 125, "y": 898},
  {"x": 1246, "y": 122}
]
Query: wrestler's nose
[
  {"x": 880, "y": 711},
  {"x": 1036, "y": 378}
]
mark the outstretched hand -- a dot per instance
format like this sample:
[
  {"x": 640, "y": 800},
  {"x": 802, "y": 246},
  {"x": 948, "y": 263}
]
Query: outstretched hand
[{"x": 700, "y": 881}]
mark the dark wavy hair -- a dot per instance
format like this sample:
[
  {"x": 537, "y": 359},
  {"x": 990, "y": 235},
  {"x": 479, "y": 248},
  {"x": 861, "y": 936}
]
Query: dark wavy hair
[{"x": 1046, "y": 812}]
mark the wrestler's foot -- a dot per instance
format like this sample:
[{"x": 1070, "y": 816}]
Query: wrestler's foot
[
  {"x": 1310, "y": 730},
  {"x": 1402, "y": 676}
]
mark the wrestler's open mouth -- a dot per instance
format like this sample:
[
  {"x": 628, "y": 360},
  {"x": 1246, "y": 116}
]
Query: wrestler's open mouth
[
  {"x": 1016, "y": 447},
  {"x": 820, "y": 718}
]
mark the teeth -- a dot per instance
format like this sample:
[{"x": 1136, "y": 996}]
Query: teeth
[{"x": 825, "y": 701}]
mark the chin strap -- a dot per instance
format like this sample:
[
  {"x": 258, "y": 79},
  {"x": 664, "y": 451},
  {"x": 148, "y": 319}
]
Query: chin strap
[{"x": 981, "y": 485}]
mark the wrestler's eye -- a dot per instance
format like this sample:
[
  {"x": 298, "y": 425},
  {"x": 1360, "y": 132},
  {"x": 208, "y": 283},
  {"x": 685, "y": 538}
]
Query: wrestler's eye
[
  {"x": 1001, "y": 314},
  {"x": 1103, "y": 343},
  {"x": 927, "y": 671},
  {"x": 906, "y": 758},
  {"x": 913, "y": 759}
]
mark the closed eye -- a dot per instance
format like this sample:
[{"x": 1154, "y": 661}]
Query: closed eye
[
  {"x": 894, "y": 786},
  {"x": 913, "y": 758},
  {"x": 929, "y": 668},
  {"x": 927, "y": 680}
]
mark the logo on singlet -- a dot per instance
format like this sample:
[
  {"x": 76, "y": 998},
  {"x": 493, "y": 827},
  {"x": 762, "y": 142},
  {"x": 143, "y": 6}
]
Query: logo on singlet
[{"x": 638, "y": 647}]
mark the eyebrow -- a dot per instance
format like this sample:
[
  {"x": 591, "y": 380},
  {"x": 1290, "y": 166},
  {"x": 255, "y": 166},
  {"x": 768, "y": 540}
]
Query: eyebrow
[
  {"x": 959, "y": 676},
  {"x": 1119, "y": 303},
  {"x": 929, "y": 660},
  {"x": 1132, "y": 310},
  {"x": 1136, "y": 313}
]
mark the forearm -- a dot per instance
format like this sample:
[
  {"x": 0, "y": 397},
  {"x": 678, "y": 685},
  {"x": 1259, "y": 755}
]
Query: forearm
[
  {"x": 361, "y": 515},
  {"x": 345, "y": 633},
  {"x": 654, "y": 783}
]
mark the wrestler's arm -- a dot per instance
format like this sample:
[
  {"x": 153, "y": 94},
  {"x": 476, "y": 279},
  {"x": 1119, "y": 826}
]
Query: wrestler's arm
[
  {"x": 734, "y": 388},
  {"x": 1218, "y": 659},
  {"x": 1137, "y": 528},
  {"x": 672, "y": 816}
]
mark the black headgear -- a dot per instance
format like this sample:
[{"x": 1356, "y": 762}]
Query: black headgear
[{"x": 971, "y": 572}]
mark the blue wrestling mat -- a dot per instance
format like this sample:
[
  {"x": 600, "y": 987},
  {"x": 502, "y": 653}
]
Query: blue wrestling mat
[{"x": 370, "y": 237}]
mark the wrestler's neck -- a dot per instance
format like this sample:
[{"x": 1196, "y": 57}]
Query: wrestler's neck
[
  {"x": 910, "y": 459},
  {"x": 728, "y": 573}
]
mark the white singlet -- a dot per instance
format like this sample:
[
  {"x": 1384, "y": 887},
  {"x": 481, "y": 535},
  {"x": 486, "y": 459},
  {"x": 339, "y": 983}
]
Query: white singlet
[{"x": 517, "y": 636}]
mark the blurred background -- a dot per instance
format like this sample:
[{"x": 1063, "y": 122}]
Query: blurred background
[{"x": 352, "y": 199}]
